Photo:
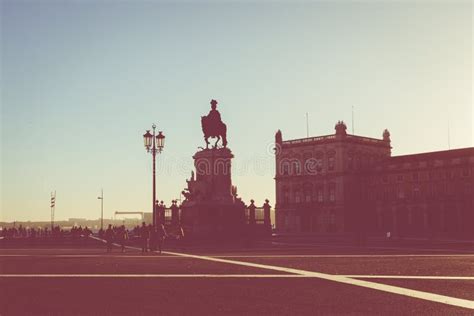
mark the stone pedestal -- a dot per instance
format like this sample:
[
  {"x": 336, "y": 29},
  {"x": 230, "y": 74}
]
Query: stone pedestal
[{"x": 212, "y": 208}]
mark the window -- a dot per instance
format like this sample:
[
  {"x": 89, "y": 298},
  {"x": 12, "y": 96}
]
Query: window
[
  {"x": 468, "y": 188},
  {"x": 296, "y": 168},
  {"x": 356, "y": 162},
  {"x": 320, "y": 195},
  {"x": 331, "y": 163},
  {"x": 432, "y": 190},
  {"x": 416, "y": 192},
  {"x": 401, "y": 193},
  {"x": 450, "y": 188},
  {"x": 286, "y": 195},
  {"x": 386, "y": 194},
  {"x": 332, "y": 192},
  {"x": 298, "y": 192},
  {"x": 307, "y": 192},
  {"x": 332, "y": 217},
  {"x": 350, "y": 162},
  {"x": 365, "y": 161}
]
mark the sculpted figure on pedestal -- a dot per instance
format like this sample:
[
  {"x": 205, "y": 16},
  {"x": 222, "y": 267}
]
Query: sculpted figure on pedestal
[{"x": 212, "y": 126}]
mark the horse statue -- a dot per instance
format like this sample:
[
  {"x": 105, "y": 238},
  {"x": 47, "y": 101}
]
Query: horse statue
[
  {"x": 212, "y": 126},
  {"x": 210, "y": 129}
]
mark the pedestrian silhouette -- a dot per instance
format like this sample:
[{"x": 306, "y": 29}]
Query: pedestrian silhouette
[
  {"x": 144, "y": 235},
  {"x": 109, "y": 238},
  {"x": 161, "y": 234}
]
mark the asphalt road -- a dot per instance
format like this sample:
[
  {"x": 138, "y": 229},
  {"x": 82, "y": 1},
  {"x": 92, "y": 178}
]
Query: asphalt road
[{"x": 310, "y": 279}]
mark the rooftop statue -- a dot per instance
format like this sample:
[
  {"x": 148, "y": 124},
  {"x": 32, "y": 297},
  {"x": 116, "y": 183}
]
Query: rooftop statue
[{"x": 212, "y": 126}]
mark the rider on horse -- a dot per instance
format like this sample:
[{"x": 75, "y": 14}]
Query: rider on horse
[
  {"x": 213, "y": 126},
  {"x": 214, "y": 117}
]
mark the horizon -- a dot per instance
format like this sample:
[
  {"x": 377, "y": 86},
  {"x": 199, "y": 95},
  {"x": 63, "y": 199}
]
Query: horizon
[{"x": 82, "y": 82}]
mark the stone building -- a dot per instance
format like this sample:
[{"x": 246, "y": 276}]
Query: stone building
[
  {"x": 429, "y": 194},
  {"x": 332, "y": 183}
]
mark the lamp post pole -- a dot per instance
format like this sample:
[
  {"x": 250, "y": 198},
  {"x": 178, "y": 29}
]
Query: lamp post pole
[
  {"x": 154, "y": 144},
  {"x": 101, "y": 198},
  {"x": 153, "y": 153}
]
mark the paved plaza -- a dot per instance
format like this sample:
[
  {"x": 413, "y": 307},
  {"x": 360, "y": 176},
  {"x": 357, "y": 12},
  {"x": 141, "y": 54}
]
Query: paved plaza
[{"x": 293, "y": 277}]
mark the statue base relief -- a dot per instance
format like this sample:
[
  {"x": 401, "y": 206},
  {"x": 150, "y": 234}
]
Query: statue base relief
[{"x": 211, "y": 208}]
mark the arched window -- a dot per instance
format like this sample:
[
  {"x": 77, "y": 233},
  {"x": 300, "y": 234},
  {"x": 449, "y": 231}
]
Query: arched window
[
  {"x": 285, "y": 167},
  {"x": 295, "y": 167},
  {"x": 331, "y": 160},
  {"x": 331, "y": 163}
]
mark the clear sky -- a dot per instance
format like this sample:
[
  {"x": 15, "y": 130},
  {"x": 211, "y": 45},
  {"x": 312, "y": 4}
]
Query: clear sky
[{"x": 82, "y": 80}]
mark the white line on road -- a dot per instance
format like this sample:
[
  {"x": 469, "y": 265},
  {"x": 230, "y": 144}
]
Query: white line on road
[
  {"x": 103, "y": 255},
  {"x": 357, "y": 276},
  {"x": 153, "y": 276},
  {"x": 341, "y": 279},
  {"x": 342, "y": 256},
  {"x": 121, "y": 255},
  {"x": 388, "y": 247},
  {"x": 409, "y": 277}
]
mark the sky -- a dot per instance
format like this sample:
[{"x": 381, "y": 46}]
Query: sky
[{"x": 81, "y": 82}]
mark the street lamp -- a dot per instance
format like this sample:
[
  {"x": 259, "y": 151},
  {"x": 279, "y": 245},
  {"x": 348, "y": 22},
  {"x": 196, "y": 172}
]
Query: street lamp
[
  {"x": 154, "y": 144},
  {"x": 101, "y": 198}
]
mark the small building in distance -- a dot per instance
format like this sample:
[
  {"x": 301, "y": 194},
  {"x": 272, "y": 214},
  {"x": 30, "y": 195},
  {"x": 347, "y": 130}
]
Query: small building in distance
[{"x": 347, "y": 183}]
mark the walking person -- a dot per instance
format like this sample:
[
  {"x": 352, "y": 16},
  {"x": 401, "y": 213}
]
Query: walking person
[
  {"x": 144, "y": 235},
  {"x": 152, "y": 244},
  {"x": 109, "y": 238},
  {"x": 122, "y": 237},
  {"x": 180, "y": 237},
  {"x": 161, "y": 236}
]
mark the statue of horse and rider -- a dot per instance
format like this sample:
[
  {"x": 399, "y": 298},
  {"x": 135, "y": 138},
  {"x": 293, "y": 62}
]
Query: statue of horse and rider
[{"x": 212, "y": 126}]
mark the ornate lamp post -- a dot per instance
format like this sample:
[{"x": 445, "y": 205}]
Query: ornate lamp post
[{"x": 154, "y": 144}]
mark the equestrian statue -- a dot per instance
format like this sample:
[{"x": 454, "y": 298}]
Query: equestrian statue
[{"x": 212, "y": 126}]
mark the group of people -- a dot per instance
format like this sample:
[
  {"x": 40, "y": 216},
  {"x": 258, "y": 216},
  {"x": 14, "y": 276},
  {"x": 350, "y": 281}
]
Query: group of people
[
  {"x": 79, "y": 232},
  {"x": 39, "y": 232},
  {"x": 117, "y": 234},
  {"x": 151, "y": 238}
]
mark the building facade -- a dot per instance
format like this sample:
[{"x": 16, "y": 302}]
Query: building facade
[
  {"x": 429, "y": 194},
  {"x": 345, "y": 183}
]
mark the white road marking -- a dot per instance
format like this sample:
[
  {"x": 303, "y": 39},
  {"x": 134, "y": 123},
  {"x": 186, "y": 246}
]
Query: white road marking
[
  {"x": 153, "y": 276},
  {"x": 357, "y": 276},
  {"x": 29, "y": 250},
  {"x": 388, "y": 247},
  {"x": 342, "y": 256},
  {"x": 121, "y": 255},
  {"x": 103, "y": 255},
  {"x": 409, "y": 277},
  {"x": 342, "y": 279}
]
